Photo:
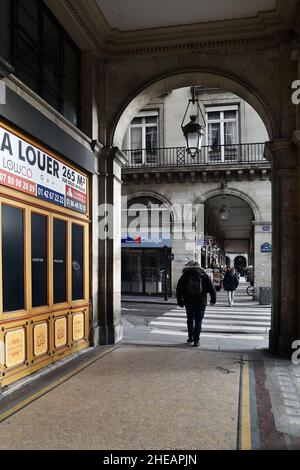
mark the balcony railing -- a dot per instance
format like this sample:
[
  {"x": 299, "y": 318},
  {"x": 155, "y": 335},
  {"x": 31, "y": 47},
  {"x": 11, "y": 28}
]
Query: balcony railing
[{"x": 238, "y": 154}]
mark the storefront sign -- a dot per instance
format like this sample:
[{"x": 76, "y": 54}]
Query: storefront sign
[
  {"x": 78, "y": 326},
  {"x": 141, "y": 241},
  {"x": 60, "y": 332},
  {"x": 15, "y": 347},
  {"x": 40, "y": 339},
  {"x": 266, "y": 248},
  {"x": 28, "y": 169}
]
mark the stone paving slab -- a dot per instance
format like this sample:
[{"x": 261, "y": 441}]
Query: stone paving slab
[{"x": 136, "y": 397}]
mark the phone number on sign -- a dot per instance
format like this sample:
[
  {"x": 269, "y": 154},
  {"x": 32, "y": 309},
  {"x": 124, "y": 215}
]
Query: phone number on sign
[
  {"x": 17, "y": 183},
  {"x": 52, "y": 196}
]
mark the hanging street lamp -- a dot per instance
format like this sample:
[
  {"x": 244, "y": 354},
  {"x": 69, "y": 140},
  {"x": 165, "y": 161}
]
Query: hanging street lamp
[
  {"x": 224, "y": 210},
  {"x": 193, "y": 131}
]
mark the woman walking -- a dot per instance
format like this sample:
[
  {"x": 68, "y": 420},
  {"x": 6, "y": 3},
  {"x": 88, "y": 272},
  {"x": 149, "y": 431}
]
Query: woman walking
[{"x": 230, "y": 283}]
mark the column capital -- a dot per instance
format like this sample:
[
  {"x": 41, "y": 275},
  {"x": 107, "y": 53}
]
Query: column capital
[
  {"x": 116, "y": 155},
  {"x": 283, "y": 154}
]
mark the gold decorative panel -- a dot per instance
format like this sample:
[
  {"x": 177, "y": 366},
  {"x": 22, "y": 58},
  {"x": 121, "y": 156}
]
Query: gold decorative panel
[
  {"x": 60, "y": 332},
  {"x": 78, "y": 326},
  {"x": 14, "y": 347},
  {"x": 40, "y": 339}
]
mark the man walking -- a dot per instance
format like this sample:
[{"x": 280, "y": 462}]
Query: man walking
[{"x": 192, "y": 290}]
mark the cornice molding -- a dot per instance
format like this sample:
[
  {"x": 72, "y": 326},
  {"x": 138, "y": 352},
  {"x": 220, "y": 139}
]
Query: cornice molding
[
  {"x": 266, "y": 28},
  {"x": 90, "y": 20},
  {"x": 5, "y": 68}
]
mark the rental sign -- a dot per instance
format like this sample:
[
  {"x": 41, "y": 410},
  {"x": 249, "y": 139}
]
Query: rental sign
[{"x": 30, "y": 170}]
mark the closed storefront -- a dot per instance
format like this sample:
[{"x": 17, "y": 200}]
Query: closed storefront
[{"x": 44, "y": 256}]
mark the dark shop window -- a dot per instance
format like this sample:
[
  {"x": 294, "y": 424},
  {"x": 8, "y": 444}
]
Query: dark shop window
[
  {"x": 39, "y": 262},
  {"x": 77, "y": 262},
  {"x": 5, "y": 38},
  {"x": 13, "y": 258},
  {"x": 45, "y": 57},
  {"x": 60, "y": 261}
]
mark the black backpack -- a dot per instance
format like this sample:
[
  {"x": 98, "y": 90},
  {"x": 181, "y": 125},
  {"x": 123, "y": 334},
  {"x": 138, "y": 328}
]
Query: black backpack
[{"x": 194, "y": 285}]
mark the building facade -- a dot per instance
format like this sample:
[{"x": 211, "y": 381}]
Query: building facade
[{"x": 230, "y": 171}]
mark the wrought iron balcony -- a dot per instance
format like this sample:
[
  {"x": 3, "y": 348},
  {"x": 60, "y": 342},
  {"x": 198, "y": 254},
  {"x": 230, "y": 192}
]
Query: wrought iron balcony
[{"x": 233, "y": 155}]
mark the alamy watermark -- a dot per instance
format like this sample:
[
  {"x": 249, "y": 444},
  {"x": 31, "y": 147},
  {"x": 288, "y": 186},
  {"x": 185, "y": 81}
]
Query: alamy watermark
[
  {"x": 296, "y": 354},
  {"x": 152, "y": 221}
]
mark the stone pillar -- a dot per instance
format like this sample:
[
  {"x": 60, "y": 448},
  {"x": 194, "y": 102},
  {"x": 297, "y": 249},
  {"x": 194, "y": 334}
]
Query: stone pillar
[
  {"x": 284, "y": 157},
  {"x": 183, "y": 250},
  {"x": 96, "y": 262},
  {"x": 183, "y": 242},
  {"x": 110, "y": 329},
  {"x": 262, "y": 260}
]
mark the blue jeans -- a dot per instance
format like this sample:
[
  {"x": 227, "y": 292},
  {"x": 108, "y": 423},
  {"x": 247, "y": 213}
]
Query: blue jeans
[{"x": 195, "y": 315}]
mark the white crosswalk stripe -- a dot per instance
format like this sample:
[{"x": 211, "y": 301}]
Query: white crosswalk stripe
[{"x": 245, "y": 320}]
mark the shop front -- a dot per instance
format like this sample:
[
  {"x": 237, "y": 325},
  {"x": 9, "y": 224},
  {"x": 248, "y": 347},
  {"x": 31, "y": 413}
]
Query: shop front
[
  {"x": 143, "y": 271},
  {"x": 44, "y": 255}
]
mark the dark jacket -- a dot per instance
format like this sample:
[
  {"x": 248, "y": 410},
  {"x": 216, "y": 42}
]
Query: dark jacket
[
  {"x": 230, "y": 281},
  {"x": 207, "y": 288}
]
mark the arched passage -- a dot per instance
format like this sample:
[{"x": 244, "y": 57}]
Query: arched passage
[
  {"x": 164, "y": 84},
  {"x": 182, "y": 249},
  {"x": 233, "y": 192}
]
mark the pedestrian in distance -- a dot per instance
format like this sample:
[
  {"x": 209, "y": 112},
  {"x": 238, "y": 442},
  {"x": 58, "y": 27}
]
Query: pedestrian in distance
[
  {"x": 230, "y": 283},
  {"x": 192, "y": 289}
]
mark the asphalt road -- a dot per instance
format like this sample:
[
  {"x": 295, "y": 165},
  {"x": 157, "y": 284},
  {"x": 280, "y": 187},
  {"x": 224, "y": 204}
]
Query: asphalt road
[{"x": 243, "y": 327}]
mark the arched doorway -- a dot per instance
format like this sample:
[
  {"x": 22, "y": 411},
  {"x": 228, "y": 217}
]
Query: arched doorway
[
  {"x": 236, "y": 242},
  {"x": 240, "y": 263}
]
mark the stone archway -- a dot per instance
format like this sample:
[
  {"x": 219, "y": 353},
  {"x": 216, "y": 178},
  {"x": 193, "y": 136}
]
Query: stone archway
[
  {"x": 233, "y": 192},
  {"x": 164, "y": 84},
  {"x": 265, "y": 94}
]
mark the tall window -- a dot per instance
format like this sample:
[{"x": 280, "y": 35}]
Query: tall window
[
  {"x": 222, "y": 132},
  {"x": 13, "y": 275},
  {"x": 43, "y": 55},
  {"x": 144, "y": 137}
]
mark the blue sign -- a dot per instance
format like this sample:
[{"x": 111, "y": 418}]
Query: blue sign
[
  {"x": 266, "y": 248},
  {"x": 50, "y": 195},
  {"x": 266, "y": 228},
  {"x": 141, "y": 241}
]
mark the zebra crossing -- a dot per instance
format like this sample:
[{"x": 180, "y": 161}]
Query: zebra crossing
[{"x": 245, "y": 320}]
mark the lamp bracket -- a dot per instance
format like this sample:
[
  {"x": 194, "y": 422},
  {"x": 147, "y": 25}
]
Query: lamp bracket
[{"x": 194, "y": 101}]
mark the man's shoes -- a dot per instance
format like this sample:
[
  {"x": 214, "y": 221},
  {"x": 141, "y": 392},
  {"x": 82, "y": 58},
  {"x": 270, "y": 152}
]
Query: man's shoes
[
  {"x": 196, "y": 344},
  {"x": 190, "y": 340}
]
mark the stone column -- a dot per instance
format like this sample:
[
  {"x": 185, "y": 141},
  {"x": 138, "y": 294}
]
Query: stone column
[
  {"x": 183, "y": 250},
  {"x": 183, "y": 242},
  {"x": 284, "y": 157},
  {"x": 262, "y": 260},
  {"x": 109, "y": 220},
  {"x": 97, "y": 197}
]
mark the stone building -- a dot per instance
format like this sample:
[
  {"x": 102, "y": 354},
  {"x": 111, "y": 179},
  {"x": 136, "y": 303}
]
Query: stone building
[
  {"x": 231, "y": 170},
  {"x": 74, "y": 74}
]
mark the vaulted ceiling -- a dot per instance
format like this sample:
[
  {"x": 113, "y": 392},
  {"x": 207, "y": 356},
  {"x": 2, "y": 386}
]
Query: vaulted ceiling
[
  {"x": 118, "y": 26},
  {"x": 239, "y": 223},
  {"x": 127, "y": 15}
]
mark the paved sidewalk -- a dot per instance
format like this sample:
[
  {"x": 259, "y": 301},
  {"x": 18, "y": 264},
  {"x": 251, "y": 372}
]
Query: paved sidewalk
[
  {"x": 131, "y": 397},
  {"x": 136, "y": 397}
]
